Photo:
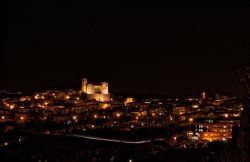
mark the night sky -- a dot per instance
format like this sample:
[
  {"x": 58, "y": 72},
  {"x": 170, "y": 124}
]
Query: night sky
[{"x": 166, "y": 48}]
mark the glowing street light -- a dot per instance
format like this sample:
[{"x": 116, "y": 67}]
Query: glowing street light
[
  {"x": 175, "y": 138},
  {"x": 74, "y": 117},
  {"x": 12, "y": 106}
]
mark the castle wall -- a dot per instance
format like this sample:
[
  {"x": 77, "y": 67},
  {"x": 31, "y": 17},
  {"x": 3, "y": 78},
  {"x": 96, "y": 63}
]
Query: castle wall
[
  {"x": 99, "y": 97},
  {"x": 96, "y": 92},
  {"x": 104, "y": 88},
  {"x": 90, "y": 88}
]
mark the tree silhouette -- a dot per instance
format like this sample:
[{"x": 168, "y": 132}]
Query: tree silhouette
[
  {"x": 243, "y": 141},
  {"x": 244, "y": 76}
]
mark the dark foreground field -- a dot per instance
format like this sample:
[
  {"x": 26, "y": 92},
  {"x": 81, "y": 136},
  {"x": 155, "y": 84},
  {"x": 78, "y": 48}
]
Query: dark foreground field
[{"x": 58, "y": 148}]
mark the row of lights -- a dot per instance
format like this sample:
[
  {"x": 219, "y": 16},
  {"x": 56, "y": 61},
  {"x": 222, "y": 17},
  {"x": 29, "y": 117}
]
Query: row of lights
[{"x": 21, "y": 117}]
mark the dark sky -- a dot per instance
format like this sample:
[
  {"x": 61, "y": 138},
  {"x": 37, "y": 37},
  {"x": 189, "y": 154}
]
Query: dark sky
[{"x": 166, "y": 48}]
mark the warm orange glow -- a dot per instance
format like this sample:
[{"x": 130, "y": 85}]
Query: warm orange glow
[
  {"x": 67, "y": 97},
  {"x": 226, "y": 115},
  {"x": 95, "y": 116},
  {"x": 195, "y": 106},
  {"x": 118, "y": 115},
  {"x": 12, "y": 106},
  {"x": 22, "y": 118},
  {"x": 22, "y": 99},
  {"x": 105, "y": 105},
  {"x": 129, "y": 100},
  {"x": 3, "y": 117},
  {"x": 191, "y": 119},
  {"x": 215, "y": 136}
]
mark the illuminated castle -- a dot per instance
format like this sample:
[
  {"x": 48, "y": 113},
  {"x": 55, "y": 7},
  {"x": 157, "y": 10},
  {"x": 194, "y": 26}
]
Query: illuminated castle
[{"x": 95, "y": 92}]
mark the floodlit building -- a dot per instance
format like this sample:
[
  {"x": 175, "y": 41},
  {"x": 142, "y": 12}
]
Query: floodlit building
[
  {"x": 98, "y": 92},
  {"x": 129, "y": 100},
  {"x": 220, "y": 131}
]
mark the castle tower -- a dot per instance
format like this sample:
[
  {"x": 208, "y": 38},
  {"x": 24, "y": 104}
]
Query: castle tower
[
  {"x": 84, "y": 86},
  {"x": 104, "y": 88},
  {"x": 203, "y": 95},
  {"x": 90, "y": 88}
]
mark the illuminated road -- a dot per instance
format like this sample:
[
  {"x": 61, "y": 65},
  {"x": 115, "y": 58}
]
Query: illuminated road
[{"x": 110, "y": 140}]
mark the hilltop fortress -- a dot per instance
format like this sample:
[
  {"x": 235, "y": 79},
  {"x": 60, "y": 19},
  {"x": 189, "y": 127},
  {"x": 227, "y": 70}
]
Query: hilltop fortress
[{"x": 98, "y": 92}]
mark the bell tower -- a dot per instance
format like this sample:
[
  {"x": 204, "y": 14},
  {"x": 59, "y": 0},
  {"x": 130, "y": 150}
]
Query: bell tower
[{"x": 84, "y": 86}]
